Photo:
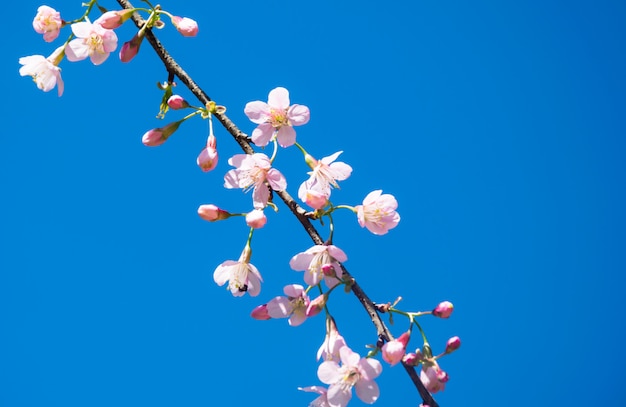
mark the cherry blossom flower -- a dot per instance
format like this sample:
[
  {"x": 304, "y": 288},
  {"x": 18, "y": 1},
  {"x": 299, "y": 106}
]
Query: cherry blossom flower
[
  {"x": 186, "y": 26},
  {"x": 44, "y": 71},
  {"x": 333, "y": 341},
  {"x": 242, "y": 276},
  {"x": 256, "y": 218},
  {"x": 252, "y": 171},
  {"x": 314, "y": 198},
  {"x": 48, "y": 22},
  {"x": 208, "y": 157},
  {"x": 276, "y": 117},
  {"x": 394, "y": 350},
  {"x": 93, "y": 41},
  {"x": 326, "y": 172},
  {"x": 293, "y": 306},
  {"x": 443, "y": 309},
  {"x": 314, "y": 258},
  {"x": 322, "y": 400},
  {"x": 378, "y": 212},
  {"x": 354, "y": 371},
  {"x": 433, "y": 377}
]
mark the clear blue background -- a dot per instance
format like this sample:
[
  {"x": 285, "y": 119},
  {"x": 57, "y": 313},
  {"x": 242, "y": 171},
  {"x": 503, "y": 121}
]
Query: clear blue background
[{"x": 499, "y": 126}]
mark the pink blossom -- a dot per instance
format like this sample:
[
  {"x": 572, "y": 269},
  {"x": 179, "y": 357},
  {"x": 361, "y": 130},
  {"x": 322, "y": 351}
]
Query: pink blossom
[
  {"x": 256, "y": 218},
  {"x": 322, "y": 400},
  {"x": 326, "y": 172},
  {"x": 156, "y": 137},
  {"x": 453, "y": 344},
  {"x": 443, "y": 309},
  {"x": 241, "y": 275},
  {"x": 176, "y": 102},
  {"x": 91, "y": 41},
  {"x": 314, "y": 259},
  {"x": 130, "y": 49},
  {"x": 333, "y": 341},
  {"x": 186, "y": 26},
  {"x": 48, "y": 22},
  {"x": 394, "y": 350},
  {"x": 276, "y": 117},
  {"x": 44, "y": 71},
  {"x": 293, "y": 306},
  {"x": 114, "y": 19},
  {"x": 433, "y": 377},
  {"x": 354, "y": 371},
  {"x": 212, "y": 213},
  {"x": 260, "y": 313},
  {"x": 412, "y": 359},
  {"x": 252, "y": 171},
  {"x": 316, "y": 199},
  {"x": 378, "y": 212},
  {"x": 208, "y": 157}
]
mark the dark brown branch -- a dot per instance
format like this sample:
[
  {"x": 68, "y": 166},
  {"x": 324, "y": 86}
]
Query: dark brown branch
[{"x": 242, "y": 139}]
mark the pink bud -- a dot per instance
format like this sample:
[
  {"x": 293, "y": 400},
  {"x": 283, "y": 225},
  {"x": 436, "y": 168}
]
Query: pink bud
[
  {"x": 315, "y": 199},
  {"x": 443, "y": 310},
  {"x": 114, "y": 19},
  {"x": 212, "y": 213},
  {"x": 394, "y": 350},
  {"x": 260, "y": 313},
  {"x": 208, "y": 157},
  {"x": 453, "y": 344},
  {"x": 411, "y": 359},
  {"x": 316, "y": 305},
  {"x": 177, "y": 102},
  {"x": 256, "y": 219},
  {"x": 156, "y": 137},
  {"x": 131, "y": 48},
  {"x": 328, "y": 270},
  {"x": 186, "y": 26}
]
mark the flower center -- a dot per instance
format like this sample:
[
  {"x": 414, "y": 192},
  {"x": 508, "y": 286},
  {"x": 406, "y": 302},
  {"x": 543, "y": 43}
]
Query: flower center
[
  {"x": 95, "y": 43},
  {"x": 278, "y": 118}
]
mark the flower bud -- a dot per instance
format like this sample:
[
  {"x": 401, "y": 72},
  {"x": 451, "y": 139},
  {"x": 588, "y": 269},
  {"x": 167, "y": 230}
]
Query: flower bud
[
  {"x": 443, "y": 310},
  {"x": 156, "y": 137},
  {"x": 186, "y": 26},
  {"x": 114, "y": 19},
  {"x": 131, "y": 48},
  {"x": 256, "y": 219},
  {"x": 208, "y": 157},
  {"x": 453, "y": 344},
  {"x": 328, "y": 270},
  {"x": 316, "y": 305},
  {"x": 260, "y": 313},
  {"x": 176, "y": 102},
  {"x": 212, "y": 213},
  {"x": 411, "y": 359},
  {"x": 394, "y": 350}
]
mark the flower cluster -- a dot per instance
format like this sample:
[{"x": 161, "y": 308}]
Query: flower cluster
[{"x": 95, "y": 41}]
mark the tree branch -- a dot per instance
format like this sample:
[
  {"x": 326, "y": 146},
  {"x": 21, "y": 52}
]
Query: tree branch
[{"x": 242, "y": 139}]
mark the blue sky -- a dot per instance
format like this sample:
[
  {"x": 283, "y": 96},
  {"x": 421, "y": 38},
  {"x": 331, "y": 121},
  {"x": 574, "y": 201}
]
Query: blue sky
[{"x": 497, "y": 125}]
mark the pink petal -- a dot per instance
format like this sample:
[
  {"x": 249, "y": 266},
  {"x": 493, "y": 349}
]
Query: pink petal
[
  {"x": 293, "y": 290},
  {"x": 82, "y": 29},
  {"x": 298, "y": 115},
  {"x": 276, "y": 180},
  {"x": 231, "y": 179},
  {"x": 262, "y": 135},
  {"x": 300, "y": 261},
  {"x": 370, "y": 368},
  {"x": 328, "y": 372},
  {"x": 338, "y": 395},
  {"x": 279, "y": 307},
  {"x": 278, "y": 98},
  {"x": 286, "y": 136},
  {"x": 367, "y": 391},
  {"x": 254, "y": 283},
  {"x": 337, "y": 253},
  {"x": 258, "y": 112},
  {"x": 341, "y": 171},
  {"x": 98, "y": 58},
  {"x": 260, "y": 196},
  {"x": 76, "y": 50}
]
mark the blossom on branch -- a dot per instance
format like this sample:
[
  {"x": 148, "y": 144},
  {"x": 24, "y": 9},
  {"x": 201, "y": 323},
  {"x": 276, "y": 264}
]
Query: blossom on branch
[
  {"x": 378, "y": 212},
  {"x": 293, "y": 306},
  {"x": 276, "y": 117},
  {"x": 252, "y": 171},
  {"x": 242, "y": 276},
  {"x": 314, "y": 259},
  {"x": 93, "y": 41},
  {"x": 354, "y": 371},
  {"x": 333, "y": 341},
  {"x": 48, "y": 22},
  {"x": 208, "y": 157},
  {"x": 326, "y": 172},
  {"x": 44, "y": 71}
]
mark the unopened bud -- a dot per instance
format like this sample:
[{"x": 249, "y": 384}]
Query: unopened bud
[
  {"x": 443, "y": 310},
  {"x": 256, "y": 219},
  {"x": 177, "y": 102},
  {"x": 316, "y": 305},
  {"x": 131, "y": 48},
  {"x": 453, "y": 344},
  {"x": 260, "y": 313},
  {"x": 186, "y": 26},
  {"x": 212, "y": 213}
]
